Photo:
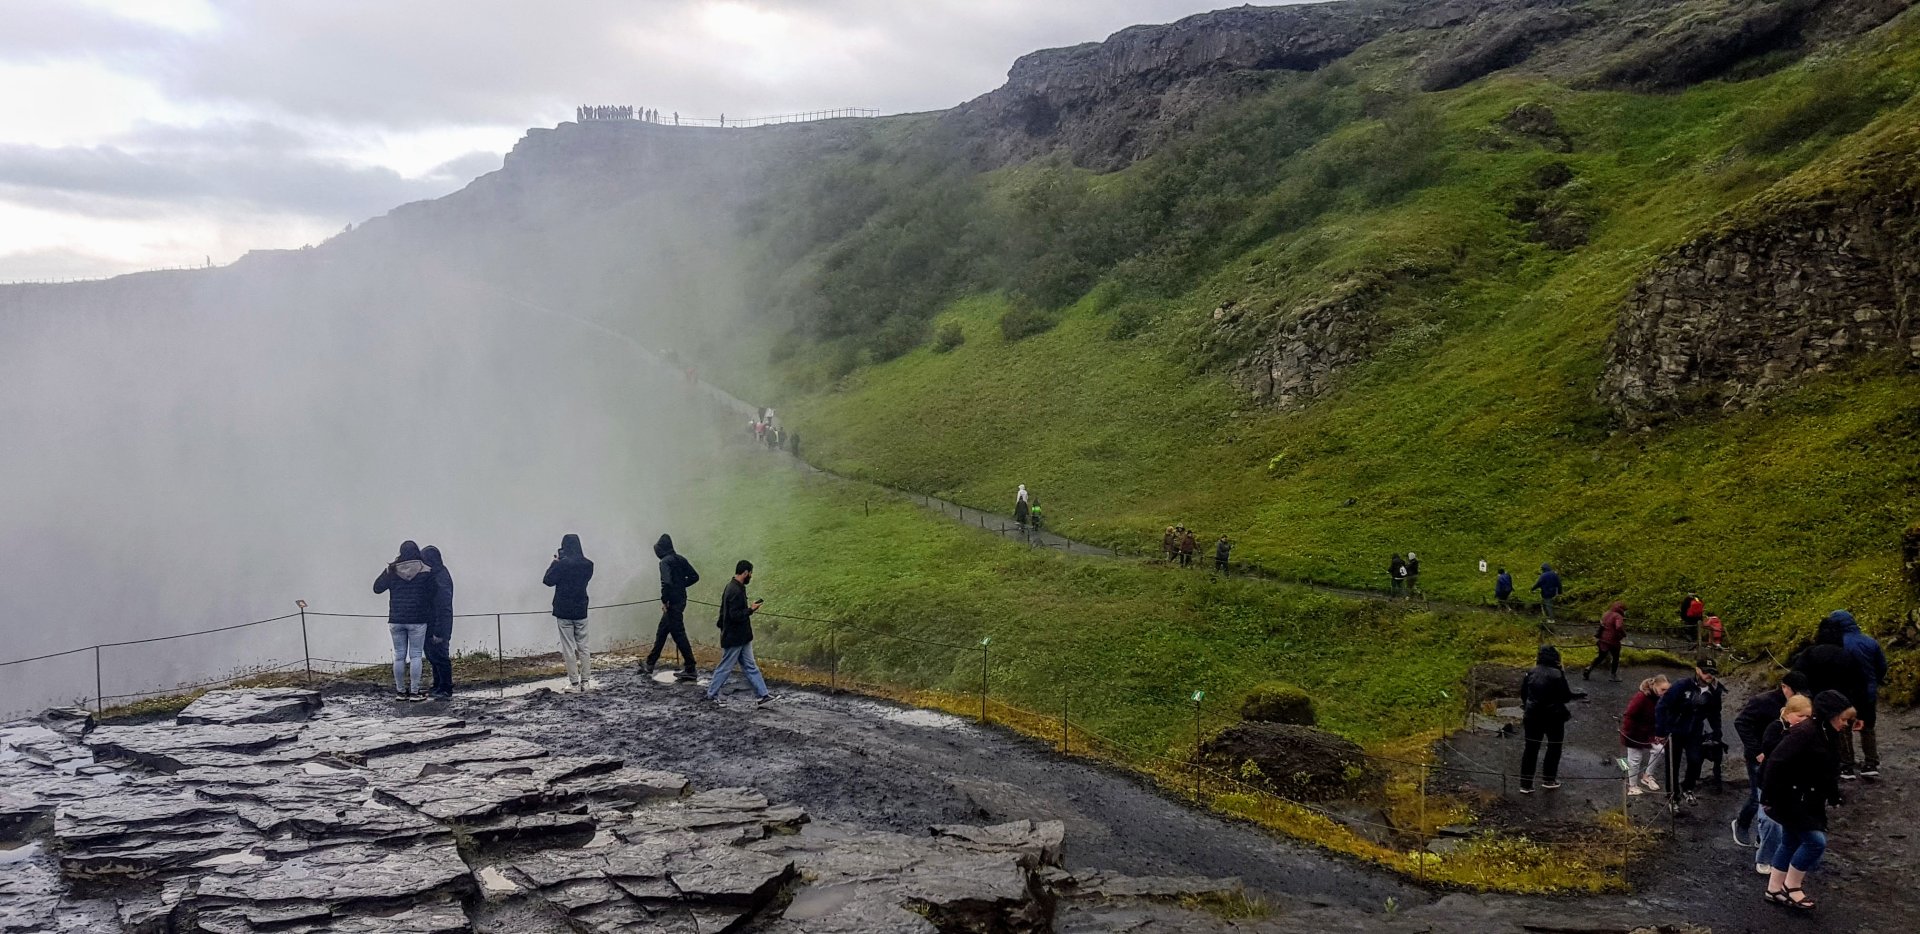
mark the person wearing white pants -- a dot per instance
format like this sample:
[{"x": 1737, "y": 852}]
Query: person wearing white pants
[
  {"x": 568, "y": 576},
  {"x": 1637, "y": 736}
]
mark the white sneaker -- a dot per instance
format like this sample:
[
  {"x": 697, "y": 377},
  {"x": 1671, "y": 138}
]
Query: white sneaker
[
  {"x": 1634, "y": 791},
  {"x": 1650, "y": 784},
  {"x": 1763, "y": 869}
]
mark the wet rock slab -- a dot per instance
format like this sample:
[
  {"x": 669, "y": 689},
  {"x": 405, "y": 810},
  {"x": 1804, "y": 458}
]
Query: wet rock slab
[{"x": 252, "y": 705}]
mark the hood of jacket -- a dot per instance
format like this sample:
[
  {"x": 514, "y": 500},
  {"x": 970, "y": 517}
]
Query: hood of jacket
[
  {"x": 663, "y": 547},
  {"x": 1548, "y": 656},
  {"x": 1830, "y": 632},
  {"x": 1830, "y": 704},
  {"x": 409, "y": 551},
  {"x": 1546, "y": 569},
  {"x": 431, "y": 555},
  {"x": 1619, "y": 606},
  {"x": 1844, "y": 621},
  {"x": 409, "y": 569},
  {"x": 570, "y": 546}
]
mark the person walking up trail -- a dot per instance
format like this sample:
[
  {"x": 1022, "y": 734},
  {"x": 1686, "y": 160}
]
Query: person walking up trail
[
  {"x": 676, "y": 575},
  {"x": 736, "y": 636},
  {"x": 408, "y": 584},
  {"x": 1397, "y": 575},
  {"x": 1188, "y": 545},
  {"x": 1549, "y": 587},
  {"x": 1750, "y": 724},
  {"x": 1689, "y": 716},
  {"x": 1800, "y": 784},
  {"x": 1544, "y": 695},
  {"x": 1692, "y": 611},
  {"x": 568, "y": 576},
  {"x": 440, "y": 633},
  {"x": 1020, "y": 510},
  {"x": 1830, "y": 667},
  {"x": 1871, "y": 661},
  {"x": 1503, "y": 588},
  {"x": 1638, "y": 737},
  {"x": 1413, "y": 574},
  {"x": 1221, "y": 549},
  {"x": 1608, "y": 639},
  {"x": 1169, "y": 545}
]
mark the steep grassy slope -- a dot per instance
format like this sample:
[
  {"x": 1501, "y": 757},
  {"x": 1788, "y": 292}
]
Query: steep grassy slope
[{"x": 1474, "y": 432}]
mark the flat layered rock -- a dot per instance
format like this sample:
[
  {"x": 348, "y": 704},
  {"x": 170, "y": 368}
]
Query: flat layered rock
[
  {"x": 170, "y": 748},
  {"x": 251, "y": 705},
  {"x": 342, "y": 877},
  {"x": 1037, "y": 843}
]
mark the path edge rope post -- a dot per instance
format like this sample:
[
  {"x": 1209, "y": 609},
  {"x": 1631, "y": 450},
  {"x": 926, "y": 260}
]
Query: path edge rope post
[
  {"x": 983, "y": 678},
  {"x": 833, "y": 656},
  {"x": 306, "y": 648},
  {"x": 99, "y": 692},
  {"x": 499, "y": 652}
]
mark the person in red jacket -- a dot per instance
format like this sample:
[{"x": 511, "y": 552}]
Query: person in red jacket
[
  {"x": 1608, "y": 638},
  {"x": 1638, "y": 739},
  {"x": 1692, "y": 611}
]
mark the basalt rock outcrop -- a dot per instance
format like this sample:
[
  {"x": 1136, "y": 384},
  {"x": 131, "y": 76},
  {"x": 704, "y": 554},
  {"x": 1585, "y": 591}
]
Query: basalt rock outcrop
[{"x": 1735, "y": 316}]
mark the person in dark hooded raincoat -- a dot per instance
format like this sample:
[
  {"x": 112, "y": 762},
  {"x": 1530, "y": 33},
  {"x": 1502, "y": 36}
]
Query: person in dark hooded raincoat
[
  {"x": 568, "y": 576},
  {"x": 440, "y": 631},
  {"x": 1544, "y": 695},
  {"x": 676, "y": 575},
  {"x": 408, "y": 583},
  {"x": 1549, "y": 587}
]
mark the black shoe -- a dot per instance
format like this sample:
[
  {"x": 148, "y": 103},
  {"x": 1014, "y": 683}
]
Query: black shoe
[
  {"x": 646, "y": 670},
  {"x": 1848, "y": 773},
  {"x": 765, "y": 699},
  {"x": 1525, "y": 790},
  {"x": 1586, "y": 674},
  {"x": 688, "y": 675},
  {"x": 1871, "y": 771},
  {"x": 1736, "y": 834}
]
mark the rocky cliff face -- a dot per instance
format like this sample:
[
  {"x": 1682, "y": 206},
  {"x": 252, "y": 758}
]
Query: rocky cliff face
[
  {"x": 1299, "y": 353},
  {"x": 1730, "y": 318},
  {"x": 1110, "y": 103}
]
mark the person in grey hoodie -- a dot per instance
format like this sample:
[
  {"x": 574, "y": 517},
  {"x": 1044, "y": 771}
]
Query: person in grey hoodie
[
  {"x": 568, "y": 576},
  {"x": 409, "y": 585},
  {"x": 676, "y": 575}
]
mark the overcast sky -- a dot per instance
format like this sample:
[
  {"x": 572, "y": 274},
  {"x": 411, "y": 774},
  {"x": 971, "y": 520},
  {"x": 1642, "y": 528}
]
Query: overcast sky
[{"x": 137, "y": 134}]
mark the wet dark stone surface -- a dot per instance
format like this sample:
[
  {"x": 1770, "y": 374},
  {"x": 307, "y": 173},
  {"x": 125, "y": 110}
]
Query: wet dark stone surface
[{"x": 252, "y": 705}]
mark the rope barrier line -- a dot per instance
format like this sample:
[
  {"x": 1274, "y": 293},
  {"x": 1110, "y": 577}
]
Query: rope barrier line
[{"x": 182, "y": 688}]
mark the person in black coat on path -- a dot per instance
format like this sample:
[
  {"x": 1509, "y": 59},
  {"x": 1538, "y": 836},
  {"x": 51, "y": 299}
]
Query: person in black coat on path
[
  {"x": 568, "y": 576},
  {"x": 409, "y": 586},
  {"x": 736, "y": 636},
  {"x": 1830, "y": 667},
  {"x": 1544, "y": 695},
  {"x": 440, "y": 631},
  {"x": 1750, "y": 724},
  {"x": 1802, "y": 778},
  {"x": 676, "y": 575},
  {"x": 1689, "y": 716}
]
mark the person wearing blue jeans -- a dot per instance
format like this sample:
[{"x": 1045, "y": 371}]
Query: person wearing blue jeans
[
  {"x": 409, "y": 584},
  {"x": 1766, "y": 833},
  {"x": 736, "y": 636},
  {"x": 1549, "y": 586},
  {"x": 1802, "y": 777}
]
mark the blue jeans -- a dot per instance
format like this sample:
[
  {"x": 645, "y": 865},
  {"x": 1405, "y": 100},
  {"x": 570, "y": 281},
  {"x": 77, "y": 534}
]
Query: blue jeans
[
  {"x": 741, "y": 655},
  {"x": 1799, "y": 849},
  {"x": 408, "y": 644},
  {"x": 1766, "y": 833},
  {"x": 1546, "y": 606},
  {"x": 1749, "y": 810}
]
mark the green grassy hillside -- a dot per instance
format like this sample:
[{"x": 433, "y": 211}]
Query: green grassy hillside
[{"x": 1473, "y": 433}]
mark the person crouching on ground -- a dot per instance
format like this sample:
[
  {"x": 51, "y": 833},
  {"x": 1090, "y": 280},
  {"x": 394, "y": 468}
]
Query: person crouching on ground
[
  {"x": 568, "y": 576},
  {"x": 736, "y": 636},
  {"x": 1766, "y": 832},
  {"x": 1802, "y": 778},
  {"x": 440, "y": 633},
  {"x": 408, "y": 584},
  {"x": 1637, "y": 736},
  {"x": 1607, "y": 641},
  {"x": 1544, "y": 695}
]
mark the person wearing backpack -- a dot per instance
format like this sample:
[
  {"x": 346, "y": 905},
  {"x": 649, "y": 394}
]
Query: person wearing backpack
[
  {"x": 676, "y": 575},
  {"x": 1544, "y": 695},
  {"x": 1397, "y": 574},
  {"x": 1692, "y": 611}
]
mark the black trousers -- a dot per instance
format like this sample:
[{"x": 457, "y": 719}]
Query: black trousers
[
  {"x": 1691, "y": 748},
  {"x": 440, "y": 659},
  {"x": 1610, "y": 658},
  {"x": 673, "y": 623},
  {"x": 1553, "y": 732}
]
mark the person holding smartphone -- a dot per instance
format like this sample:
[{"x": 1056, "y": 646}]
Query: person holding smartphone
[{"x": 736, "y": 637}]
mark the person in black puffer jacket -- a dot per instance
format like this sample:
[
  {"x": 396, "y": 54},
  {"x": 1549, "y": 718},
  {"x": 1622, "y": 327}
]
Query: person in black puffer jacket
[
  {"x": 676, "y": 575},
  {"x": 440, "y": 632},
  {"x": 1802, "y": 777},
  {"x": 1544, "y": 695},
  {"x": 1830, "y": 667},
  {"x": 409, "y": 585},
  {"x": 568, "y": 576}
]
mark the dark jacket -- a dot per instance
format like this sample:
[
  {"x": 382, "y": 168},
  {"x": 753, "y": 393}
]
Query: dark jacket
[
  {"x": 1544, "y": 692},
  {"x": 1220, "y": 549},
  {"x": 1637, "y": 724},
  {"x": 1751, "y": 723},
  {"x": 736, "y": 615},
  {"x": 1829, "y": 666},
  {"x": 1548, "y": 584},
  {"x": 442, "y": 627},
  {"x": 1613, "y": 627},
  {"x": 676, "y": 573},
  {"x": 1802, "y": 776},
  {"x": 1689, "y": 711},
  {"x": 568, "y": 576},
  {"x": 409, "y": 586},
  {"x": 1503, "y": 586},
  {"x": 1865, "y": 650},
  {"x": 1397, "y": 568}
]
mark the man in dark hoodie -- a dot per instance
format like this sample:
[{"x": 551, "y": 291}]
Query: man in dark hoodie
[
  {"x": 1689, "y": 716},
  {"x": 676, "y": 575},
  {"x": 1750, "y": 724},
  {"x": 1544, "y": 695},
  {"x": 1549, "y": 587},
  {"x": 1872, "y": 662},
  {"x": 408, "y": 584},
  {"x": 568, "y": 576},
  {"x": 736, "y": 636},
  {"x": 1830, "y": 667},
  {"x": 440, "y": 632}
]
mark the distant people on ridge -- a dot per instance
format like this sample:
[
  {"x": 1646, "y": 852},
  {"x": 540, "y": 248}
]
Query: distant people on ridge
[
  {"x": 676, "y": 575},
  {"x": 1413, "y": 574},
  {"x": 568, "y": 576},
  {"x": 1169, "y": 545},
  {"x": 1397, "y": 575},
  {"x": 1021, "y": 509},
  {"x": 440, "y": 633},
  {"x": 408, "y": 583},
  {"x": 1188, "y": 545},
  {"x": 1034, "y": 516},
  {"x": 1221, "y": 549}
]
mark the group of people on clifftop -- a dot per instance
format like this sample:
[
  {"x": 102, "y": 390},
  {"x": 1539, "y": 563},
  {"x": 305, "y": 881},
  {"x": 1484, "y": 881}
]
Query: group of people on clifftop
[
  {"x": 1802, "y": 740},
  {"x": 420, "y": 616},
  {"x": 620, "y": 112}
]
